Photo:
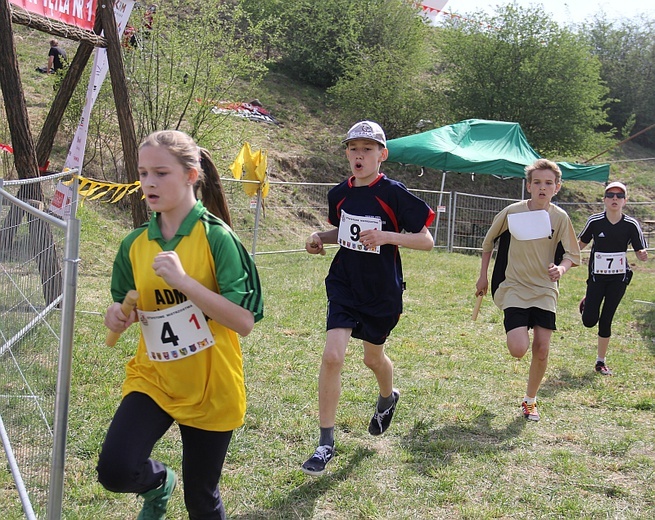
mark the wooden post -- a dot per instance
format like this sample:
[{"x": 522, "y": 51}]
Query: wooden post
[
  {"x": 123, "y": 109},
  {"x": 15, "y": 106},
  {"x": 19, "y": 126}
]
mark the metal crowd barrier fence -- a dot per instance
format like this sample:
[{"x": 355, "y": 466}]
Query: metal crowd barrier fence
[
  {"x": 39, "y": 255},
  {"x": 282, "y": 221},
  {"x": 473, "y": 215}
]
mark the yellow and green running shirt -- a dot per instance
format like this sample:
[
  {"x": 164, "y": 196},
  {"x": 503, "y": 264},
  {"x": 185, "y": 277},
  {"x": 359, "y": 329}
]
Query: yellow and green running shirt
[{"x": 205, "y": 390}]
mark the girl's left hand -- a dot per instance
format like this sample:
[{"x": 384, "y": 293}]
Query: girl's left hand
[{"x": 167, "y": 265}]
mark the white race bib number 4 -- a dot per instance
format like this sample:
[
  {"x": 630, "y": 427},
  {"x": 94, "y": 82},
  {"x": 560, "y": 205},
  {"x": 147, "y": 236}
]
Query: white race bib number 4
[
  {"x": 350, "y": 226},
  {"x": 176, "y": 332}
]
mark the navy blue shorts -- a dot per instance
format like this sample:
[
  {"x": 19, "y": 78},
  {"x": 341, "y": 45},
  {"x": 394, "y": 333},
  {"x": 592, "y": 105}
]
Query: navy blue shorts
[
  {"x": 516, "y": 317},
  {"x": 373, "y": 329}
]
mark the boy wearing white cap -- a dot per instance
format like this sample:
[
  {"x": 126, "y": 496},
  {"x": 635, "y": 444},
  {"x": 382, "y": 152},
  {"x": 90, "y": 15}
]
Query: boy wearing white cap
[
  {"x": 364, "y": 285},
  {"x": 609, "y": 270}
]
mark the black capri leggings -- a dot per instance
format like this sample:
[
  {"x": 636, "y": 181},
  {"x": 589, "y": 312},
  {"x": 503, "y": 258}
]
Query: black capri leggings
[
  {"x": 125, "y": 466},
  {"x": 610, "y": 295}
]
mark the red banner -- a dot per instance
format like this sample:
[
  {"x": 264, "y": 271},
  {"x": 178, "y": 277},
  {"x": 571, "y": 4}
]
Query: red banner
[{"x": 80, "y": 13}]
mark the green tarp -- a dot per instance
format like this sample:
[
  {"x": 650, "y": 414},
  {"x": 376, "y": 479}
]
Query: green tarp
[{"x": 480, "y": 146}]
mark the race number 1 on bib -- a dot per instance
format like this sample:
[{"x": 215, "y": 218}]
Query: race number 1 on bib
[
  {"x": 351, "y": 226},
  {"x": 175, "y": 333},
  {"x": 609, "y": 263}
]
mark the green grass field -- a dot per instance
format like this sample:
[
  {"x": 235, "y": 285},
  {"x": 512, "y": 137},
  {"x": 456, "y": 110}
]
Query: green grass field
[{"x": 458, "y": 447}]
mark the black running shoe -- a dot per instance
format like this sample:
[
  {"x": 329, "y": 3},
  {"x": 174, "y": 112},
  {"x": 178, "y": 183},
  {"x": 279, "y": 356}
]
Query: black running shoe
[
  {"x": 603, "y": 369},
  {"x": 315, "y": 465},
  {"x": 381, "y": 420}
]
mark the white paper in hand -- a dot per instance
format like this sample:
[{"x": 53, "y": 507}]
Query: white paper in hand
[{"x": 529, "y": 225}]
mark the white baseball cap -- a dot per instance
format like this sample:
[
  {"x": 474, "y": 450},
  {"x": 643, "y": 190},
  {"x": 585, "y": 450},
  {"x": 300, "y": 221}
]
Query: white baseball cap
[
  {"x": 366, "y": 130},
  {"x": 617, "y": 184}
]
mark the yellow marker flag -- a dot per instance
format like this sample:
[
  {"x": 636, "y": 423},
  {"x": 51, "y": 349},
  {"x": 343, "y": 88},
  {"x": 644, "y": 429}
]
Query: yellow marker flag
[
  {"x": 237, "y": 165},
  {"x": 251, "y": 167},
  {"x": 260, "y": 174}
]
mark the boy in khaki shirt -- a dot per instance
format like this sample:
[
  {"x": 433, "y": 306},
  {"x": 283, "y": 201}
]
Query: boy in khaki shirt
[{"x": 534, "y": 252}]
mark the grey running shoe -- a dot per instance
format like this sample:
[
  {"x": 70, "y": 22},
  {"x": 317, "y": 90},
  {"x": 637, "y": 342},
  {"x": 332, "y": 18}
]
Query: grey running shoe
[
  {"x": 315, "y": 465},
  {"x": 381, "y": 420}
]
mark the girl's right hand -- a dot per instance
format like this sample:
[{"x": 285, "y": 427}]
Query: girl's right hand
[{"x": 116, "y": 321}]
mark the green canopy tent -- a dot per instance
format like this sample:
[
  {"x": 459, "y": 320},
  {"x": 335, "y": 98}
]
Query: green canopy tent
[
  {"x": 484, "y": 147},
  {"x": 479, "y": 146}
]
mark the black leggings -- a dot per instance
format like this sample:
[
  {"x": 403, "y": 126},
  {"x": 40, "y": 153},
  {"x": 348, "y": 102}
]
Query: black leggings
[
  {"x": 611, "y": 292},
  {"x": 125, "y": 466}
]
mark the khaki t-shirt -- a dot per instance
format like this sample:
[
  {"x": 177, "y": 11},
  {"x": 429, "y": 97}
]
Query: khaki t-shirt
[{"x": 526, "y": 282}]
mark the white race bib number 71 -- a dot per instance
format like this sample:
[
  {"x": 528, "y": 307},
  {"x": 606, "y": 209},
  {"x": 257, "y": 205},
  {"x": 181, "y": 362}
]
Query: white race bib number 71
[{"x": 609, "y": 263}]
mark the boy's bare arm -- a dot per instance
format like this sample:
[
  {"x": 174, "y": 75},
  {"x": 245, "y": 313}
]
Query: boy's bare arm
[
  {"x": 374, "y": 237},
  {"x": 315, "y": 241},
  {"x": 555, "y": 272},
  {"x": 482, "y": 284}
]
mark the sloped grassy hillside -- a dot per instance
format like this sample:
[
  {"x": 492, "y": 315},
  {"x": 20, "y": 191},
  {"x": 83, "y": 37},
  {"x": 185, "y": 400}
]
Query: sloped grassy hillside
[{"x": 306, "y": 145}]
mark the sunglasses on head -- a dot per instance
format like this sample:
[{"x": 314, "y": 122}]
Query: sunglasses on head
[{"x": 611, "y": 195}]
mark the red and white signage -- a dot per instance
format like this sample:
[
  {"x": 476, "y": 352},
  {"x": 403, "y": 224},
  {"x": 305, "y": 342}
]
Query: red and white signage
[{"x": 80, "y": 13}]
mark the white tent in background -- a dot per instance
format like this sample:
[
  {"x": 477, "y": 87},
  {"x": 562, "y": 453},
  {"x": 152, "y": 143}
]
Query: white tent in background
[{"x": 433, "y": 8}]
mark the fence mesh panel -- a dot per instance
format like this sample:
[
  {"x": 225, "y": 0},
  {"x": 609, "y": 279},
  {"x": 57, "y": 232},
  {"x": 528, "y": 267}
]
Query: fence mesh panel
[
  {"x": 292, "y": 211},
  {"x": 31, "y": 252}
]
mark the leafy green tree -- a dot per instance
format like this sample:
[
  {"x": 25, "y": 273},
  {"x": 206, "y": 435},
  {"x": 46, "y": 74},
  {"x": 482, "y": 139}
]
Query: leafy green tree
[
  {"x": 519, "y": 65},
  {"x": 266, "y": 17},
  {"x": 318, "y": 36},
  {"x": 316, "y": 42},
  {"x": 372, "y": 56},
  {"x": 626, "y": 51},
  {"x": 309, "y": 39},
  {"x": 395, "y": 93},
  {"x": 191, "y": 58},
  {"x": 389, "y": 79}
]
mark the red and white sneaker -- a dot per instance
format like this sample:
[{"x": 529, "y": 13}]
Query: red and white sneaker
[{"x": 530, "y": 411}]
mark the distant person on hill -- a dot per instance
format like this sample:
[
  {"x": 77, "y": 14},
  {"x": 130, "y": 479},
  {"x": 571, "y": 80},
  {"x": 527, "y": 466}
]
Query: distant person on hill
[
  {"x": 609, "y": 271},
  {"x": 56, "y": 58},
  {"x": 198, "y": 291},
  {"x": 372, "y": 217},
  {"x": 536, "y": 246}
]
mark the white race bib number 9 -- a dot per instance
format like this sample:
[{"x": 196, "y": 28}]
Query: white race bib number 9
[
  {"x": 609, "y": 263},
  {"x": 175, "y": 333},
  {"x": 350, "y": 226}
]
